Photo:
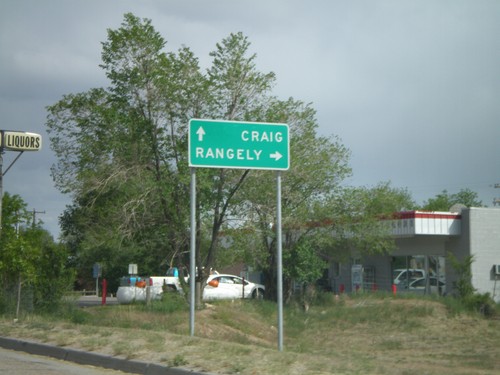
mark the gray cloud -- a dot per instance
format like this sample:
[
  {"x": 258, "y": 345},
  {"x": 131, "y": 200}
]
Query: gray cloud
[{"x": 411, "y": 87}]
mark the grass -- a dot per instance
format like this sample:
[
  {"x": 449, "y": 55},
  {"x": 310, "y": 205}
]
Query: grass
[{"x": 363, "y": 334}]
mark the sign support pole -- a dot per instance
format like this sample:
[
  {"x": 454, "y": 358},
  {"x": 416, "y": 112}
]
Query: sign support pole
[
  {"x": 243, "y": 145},
  {"x": 279, "y": 261},
  {"x": 1, "y": 187},
  {"x": 192, "y": 263}
]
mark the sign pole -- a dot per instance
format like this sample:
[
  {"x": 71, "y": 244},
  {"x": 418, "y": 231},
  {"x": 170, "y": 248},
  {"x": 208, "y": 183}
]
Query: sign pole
[
  {"x": 1, "y": 187},
  {"x": 192, "y": 265},
  {"x": 15, "y": 141},
  {"x": 243, "y": 145},
  {"x": 279, "y": 261}
]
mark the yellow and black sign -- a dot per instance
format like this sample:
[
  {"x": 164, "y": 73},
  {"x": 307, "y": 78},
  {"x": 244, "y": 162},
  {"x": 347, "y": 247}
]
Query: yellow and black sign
[{"x": 20, "y": 141}]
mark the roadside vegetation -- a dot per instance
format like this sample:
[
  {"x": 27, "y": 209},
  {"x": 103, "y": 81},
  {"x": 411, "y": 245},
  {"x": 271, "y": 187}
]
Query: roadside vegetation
[{"x": 361, "y": 334}]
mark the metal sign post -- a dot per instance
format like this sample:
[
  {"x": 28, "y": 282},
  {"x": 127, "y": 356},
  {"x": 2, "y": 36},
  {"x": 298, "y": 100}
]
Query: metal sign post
[
  {"x": 96, "y": 273},
  {"x": 279, "y": 261},
  {"x": 15, "y": 141},
  {"x": 192, "y": 263},
  {"x": 243, "y": 145}
]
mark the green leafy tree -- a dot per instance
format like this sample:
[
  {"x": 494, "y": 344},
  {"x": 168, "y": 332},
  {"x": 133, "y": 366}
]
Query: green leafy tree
[
  {"x": 463, "y": 269},
  {"x": 359, "y": 221},
  {"x": 19, "y": 256},
  {"x": 122, "y": 150},
  {"x": 444, "y": 200},
  {"x": 318, "y": 166},
  {"x": 237, "y": 92},
  {"x": 32, "y": 267},
  {"x": 121, "y": 154}
]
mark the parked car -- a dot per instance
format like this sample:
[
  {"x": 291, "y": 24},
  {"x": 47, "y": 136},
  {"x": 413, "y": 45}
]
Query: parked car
[
  {"x": 405, "y": 274},
  {"x": 418, "y": 286},
  {"x": 231, "y": 287}
]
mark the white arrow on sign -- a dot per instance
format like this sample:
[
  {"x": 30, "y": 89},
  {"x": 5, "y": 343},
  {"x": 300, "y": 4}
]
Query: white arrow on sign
[
  {"x": 276, "y": 156},
  {"x": 201, "y": 133}
]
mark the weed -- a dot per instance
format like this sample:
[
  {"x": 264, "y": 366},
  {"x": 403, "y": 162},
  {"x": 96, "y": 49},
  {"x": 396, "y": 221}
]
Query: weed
[
  {"x": 236, "y": 368},
  {"x": 170, "y": 302},
  {"x": 178, "y": 361},
  {"x": 94, "y": 343},
  {"x": 155, "y": 342},
  {"x": 64, "y": 340},
  {"x": 123, "y": 348},
  {"x": 391, "y": 344}
]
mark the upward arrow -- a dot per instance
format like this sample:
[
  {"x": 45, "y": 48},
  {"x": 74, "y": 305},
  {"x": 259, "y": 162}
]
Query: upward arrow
[{"x": 201, "y": 133}]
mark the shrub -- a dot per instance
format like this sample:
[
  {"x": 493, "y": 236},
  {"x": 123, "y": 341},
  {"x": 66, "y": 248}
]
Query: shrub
[{"x": 481, "y": 303}]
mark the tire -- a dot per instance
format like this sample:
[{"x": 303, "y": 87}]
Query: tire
[{"x": 258, "y": 294}]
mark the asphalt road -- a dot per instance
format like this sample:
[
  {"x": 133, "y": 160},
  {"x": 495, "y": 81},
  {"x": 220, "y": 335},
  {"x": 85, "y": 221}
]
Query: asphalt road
[
  {"x": 20, "y": 363},
  {"x": 87, "y": 301}
]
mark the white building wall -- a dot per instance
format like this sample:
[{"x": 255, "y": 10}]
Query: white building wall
[{"x": 484, "y": 229}]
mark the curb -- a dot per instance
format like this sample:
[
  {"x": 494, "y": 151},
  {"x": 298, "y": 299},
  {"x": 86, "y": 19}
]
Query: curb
[{"x": 92, "y": 359}]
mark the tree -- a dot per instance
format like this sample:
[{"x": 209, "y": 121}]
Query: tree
[
  {"x": 18, "y": 257},
  {"x": 336, "y": 224},
  {"x": 444, "y": 201},
  {"x": 121, "y": 153},
  {"x": 463, "y": 269},
  {"x": 359, "y": 224},
  {"x": 30, "y": 261},
  {"x": 318, "y": 166}
]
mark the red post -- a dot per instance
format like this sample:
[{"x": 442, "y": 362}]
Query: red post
[
  {"x": 342, "y": 289},
  {"x": 394, "y": 289},
  {"x": 104, "y": 291}
]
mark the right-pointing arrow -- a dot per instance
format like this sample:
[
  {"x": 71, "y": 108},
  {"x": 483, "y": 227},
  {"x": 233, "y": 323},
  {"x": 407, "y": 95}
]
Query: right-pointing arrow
[{"x": 276, "y": 156}]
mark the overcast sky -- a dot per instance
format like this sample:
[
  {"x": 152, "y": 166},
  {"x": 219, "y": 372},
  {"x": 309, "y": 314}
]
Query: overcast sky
[{"x": 412, "y": 88}]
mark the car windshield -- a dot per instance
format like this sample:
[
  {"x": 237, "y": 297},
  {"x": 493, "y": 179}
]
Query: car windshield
[
  {"x": 173, "y": 272},
  {"x": 396, "y": 273}
]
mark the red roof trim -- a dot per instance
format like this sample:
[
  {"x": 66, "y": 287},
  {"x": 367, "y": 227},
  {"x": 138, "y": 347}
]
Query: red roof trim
[{"x": 425, "y": 215}]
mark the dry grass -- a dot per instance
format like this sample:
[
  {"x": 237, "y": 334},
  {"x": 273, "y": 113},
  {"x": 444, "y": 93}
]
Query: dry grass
[{"x": 364, "y": 335}]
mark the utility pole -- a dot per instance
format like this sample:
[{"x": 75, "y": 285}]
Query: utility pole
[
  {"x": 34, "y": 217},
  {"x": 496, "y": 200}
]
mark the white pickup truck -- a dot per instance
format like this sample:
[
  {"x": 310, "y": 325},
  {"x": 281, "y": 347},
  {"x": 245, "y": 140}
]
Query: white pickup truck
[
  {"x": 170, "y": 281},
  {"x": 153, "y": 286}
]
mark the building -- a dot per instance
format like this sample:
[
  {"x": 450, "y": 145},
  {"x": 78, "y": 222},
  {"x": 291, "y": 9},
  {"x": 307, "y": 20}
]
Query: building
[{"x": 423, "y": 242}]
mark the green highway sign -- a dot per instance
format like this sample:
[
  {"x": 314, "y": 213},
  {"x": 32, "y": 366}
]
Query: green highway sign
[{"x": 235, "y": 144}]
